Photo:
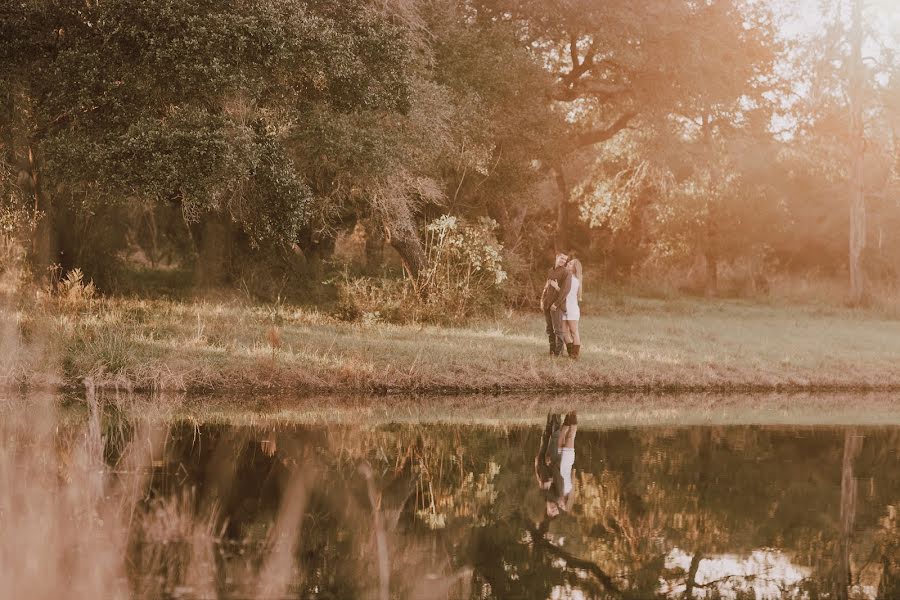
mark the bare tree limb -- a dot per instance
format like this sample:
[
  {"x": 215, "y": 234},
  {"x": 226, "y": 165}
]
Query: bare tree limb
[
  {"x": 595, "y": 136},
  {"x": 592, "y": 87},
  {"x": 575, "y": 562},
  {"x": 573, "y": 53},
  {"x": 579, "y": 67}
]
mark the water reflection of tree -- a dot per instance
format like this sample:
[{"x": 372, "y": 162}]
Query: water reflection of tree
[
  {"x": 889, "y": 550},
  {"x": 849, "y": 484},
  {"x": 717, "y": 492},
  {"x": 453, "y": 498}
]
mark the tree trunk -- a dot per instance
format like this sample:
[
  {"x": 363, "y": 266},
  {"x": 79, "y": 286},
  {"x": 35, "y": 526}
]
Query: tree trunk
[
  {"x": 692, "y": 576},
  {"x": 712, "y": 240},
  {"x": 857, "y": 198},
  {"x": 852, "y": 446},
  {"x": 7, "y": 135},
  {"x": 212, "y": 240},
  {"x": 43, "y": 247},
  {"x": 712, "y": 249},
  {"x": 704, "y": 460},
  {"x": 712, "y": 272},
  {"x": 511, "y": 223},
  {"x": 562, "y": 211},
  {"x": 374, "y": 245},
  {"x": 404, "y": 238}
]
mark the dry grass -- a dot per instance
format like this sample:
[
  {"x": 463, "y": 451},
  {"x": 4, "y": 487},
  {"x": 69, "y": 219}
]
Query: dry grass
[
  {"x": 63, "y": 514},
  {"x": 630, "y": 344},
  {"x": 81, "y": 520}
]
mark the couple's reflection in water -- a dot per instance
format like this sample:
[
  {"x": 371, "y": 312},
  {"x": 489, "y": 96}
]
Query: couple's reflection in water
[
  {"x": 554, "y": 474},
  {"x": 554, "y": 463}
]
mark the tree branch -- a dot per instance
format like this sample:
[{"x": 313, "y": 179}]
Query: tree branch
[
  {"x": 592, "y": 87},
  {"x": 571, "y": 85},
  {"x": 575, "y": 562},
  {"x": 573, "y": 52},
  {"x": 589, "y": 138}
]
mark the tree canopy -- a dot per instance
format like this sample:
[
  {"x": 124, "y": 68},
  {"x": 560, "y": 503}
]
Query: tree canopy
[{"x": 675, "y": 136}]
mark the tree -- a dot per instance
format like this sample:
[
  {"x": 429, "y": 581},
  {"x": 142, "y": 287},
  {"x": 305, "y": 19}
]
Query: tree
[
  {"x": 619, "y": 65},
  {"x": 193, "y": 104},
  {"x": 843, "y": 118},
  {"x": 679, "y": 182},
  {"x": 857, "y": 198}
]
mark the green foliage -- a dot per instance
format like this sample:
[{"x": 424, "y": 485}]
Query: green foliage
[
  {"x": 462, "y": 253},
  {"x": 17, "y": 227},
  {"x": 197, "y": 103}
]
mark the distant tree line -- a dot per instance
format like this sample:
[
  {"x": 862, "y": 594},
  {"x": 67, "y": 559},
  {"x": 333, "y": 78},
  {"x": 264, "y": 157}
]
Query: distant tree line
[{"x": 240, "y": 140}]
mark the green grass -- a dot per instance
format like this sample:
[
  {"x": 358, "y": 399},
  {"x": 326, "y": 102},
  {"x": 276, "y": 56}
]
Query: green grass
[{"x": 629, "y": 344}]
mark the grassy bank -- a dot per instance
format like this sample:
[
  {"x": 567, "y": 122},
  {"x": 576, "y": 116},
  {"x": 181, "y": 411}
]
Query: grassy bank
[
  {"x": 595, "y": 411},
  {"x": 629, "y": 344}
]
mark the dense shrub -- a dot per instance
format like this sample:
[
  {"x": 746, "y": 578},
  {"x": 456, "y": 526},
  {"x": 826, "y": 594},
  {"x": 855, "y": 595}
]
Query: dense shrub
[
  {"x": 464, "y": 273},
  {"x": 463, "y": 278}
]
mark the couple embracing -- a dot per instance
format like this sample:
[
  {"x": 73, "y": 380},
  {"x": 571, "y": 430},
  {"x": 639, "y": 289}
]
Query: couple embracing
[{"x": 559, "y": 301}]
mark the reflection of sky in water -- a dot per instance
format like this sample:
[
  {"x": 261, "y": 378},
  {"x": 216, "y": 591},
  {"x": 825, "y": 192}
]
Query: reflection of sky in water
[
  {"x": 566, "y": 593},
  {"x": 767, "y": 572}
]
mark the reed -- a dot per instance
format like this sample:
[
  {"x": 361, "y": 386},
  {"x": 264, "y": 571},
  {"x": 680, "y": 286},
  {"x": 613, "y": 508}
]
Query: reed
[{"x": 81, "y": 518}]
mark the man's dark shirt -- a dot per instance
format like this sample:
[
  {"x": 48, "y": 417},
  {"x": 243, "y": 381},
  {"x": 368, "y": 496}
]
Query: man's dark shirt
[
  {"x": 548, "y": 470},
  {"x": 553, "y": 296}
]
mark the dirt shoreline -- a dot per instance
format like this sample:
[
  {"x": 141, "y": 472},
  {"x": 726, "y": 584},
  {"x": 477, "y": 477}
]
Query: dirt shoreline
[
  {"x": 389, "y": 391},
  {"x": 595, "y": 410}
]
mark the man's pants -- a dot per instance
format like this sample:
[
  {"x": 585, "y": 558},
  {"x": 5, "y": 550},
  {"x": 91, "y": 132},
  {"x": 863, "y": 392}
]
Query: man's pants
[{"x": 554, "y": 320}]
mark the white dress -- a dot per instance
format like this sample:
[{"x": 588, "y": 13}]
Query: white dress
[
  {"x": 566, "y": 461},
  {"x": 573, "y": 313}
]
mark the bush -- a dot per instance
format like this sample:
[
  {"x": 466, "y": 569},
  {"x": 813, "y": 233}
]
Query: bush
[
  {"x": 72, "y": 290},
  {"x": 17, "y": 228},
  {"x": 463, "y": 277},
  {"x": 464, "y": 273},
  {"x": 373, "y": 300}
]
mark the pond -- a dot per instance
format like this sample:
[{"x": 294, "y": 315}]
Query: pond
[{"x": 100, "y": 498}]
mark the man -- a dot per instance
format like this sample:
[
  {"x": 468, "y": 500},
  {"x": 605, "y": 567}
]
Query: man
[
  {"x": 553, "y": 302},
  {"x": 547, "y": 466}
]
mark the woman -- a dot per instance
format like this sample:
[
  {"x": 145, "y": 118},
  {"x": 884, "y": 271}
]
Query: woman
[
  {"x": 573, "y": 312},
  {"x": 567, "y": 458}
]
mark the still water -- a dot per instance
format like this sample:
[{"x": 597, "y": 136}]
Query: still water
[{"x": 101, "y": 502}]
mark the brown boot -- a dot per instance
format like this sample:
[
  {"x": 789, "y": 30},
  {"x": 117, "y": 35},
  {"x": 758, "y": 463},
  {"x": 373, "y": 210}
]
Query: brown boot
[
  {"x": 576, "y": 350},
  {"x": 569, "y": 349}
]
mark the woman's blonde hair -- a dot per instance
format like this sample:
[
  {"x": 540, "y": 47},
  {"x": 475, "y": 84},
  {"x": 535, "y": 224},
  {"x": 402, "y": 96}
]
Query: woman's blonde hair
[{"x": 576, "y": 264}]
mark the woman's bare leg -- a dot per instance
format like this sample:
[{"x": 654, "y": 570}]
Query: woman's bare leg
[
  {"x": 567, "y": 331},
  {"x": 573, "y": 332}
]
